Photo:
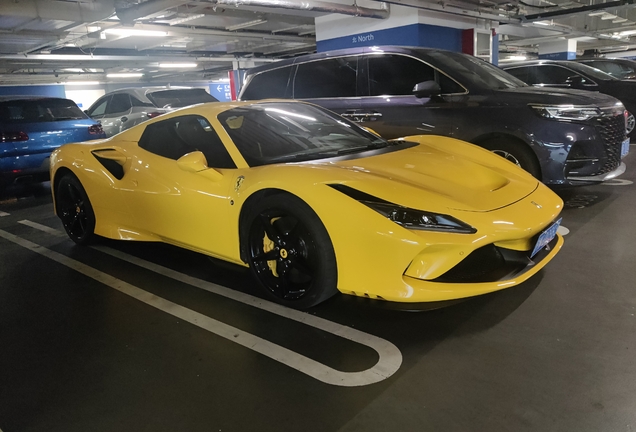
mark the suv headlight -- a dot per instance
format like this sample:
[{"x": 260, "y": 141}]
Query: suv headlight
[
  {"x": 420, "y": 220},
  {"x": 567, "y": 112}
]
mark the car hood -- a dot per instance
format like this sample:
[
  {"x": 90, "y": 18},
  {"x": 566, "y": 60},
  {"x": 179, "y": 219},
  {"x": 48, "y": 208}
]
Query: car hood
[
  {"x": 440, "y": 172},
  {"x": 556, "y": 96}
]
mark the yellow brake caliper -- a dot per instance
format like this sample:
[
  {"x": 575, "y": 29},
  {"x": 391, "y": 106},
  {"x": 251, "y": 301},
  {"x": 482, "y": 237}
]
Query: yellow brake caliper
[{"x": 268, "y": 245}]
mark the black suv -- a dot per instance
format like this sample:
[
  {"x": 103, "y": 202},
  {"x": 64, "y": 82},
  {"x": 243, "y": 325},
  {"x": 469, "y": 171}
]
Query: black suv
[
  {"x": 563, "y": 137},
  {"x": 569, "y": 74},
  {"x": 616, "y": 67}
]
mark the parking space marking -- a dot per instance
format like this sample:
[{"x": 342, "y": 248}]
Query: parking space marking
[
  {"x": 390, "y": 357},
  {"x": 1, "y": 215},
  {"x": 44, "y": 228}
]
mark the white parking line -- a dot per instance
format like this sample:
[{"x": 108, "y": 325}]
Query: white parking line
[
  {"x": 390, "y": 357},
  {"x": 44, "y": 228},
  {"x": 1, "y": 215}
]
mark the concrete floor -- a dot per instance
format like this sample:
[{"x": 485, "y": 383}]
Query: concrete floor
[{"x": 557, "y": 353}]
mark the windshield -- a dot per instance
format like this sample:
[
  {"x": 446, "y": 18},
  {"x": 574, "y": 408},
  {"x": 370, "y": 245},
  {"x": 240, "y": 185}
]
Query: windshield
[
  {"x": 274, "y": 132},
  {"x": 619, "y": 69},
  {"x": 475, "y": 70},
  {"x": 590, "y": 71},
  {"x": 39, "y": 110},
  {"x": 178, "y": 98}
]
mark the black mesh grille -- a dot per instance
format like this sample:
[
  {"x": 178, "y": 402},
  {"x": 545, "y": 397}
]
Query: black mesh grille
[{"x": 612, "y": 130}]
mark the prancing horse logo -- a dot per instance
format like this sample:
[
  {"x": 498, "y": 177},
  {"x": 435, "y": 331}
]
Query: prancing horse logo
[
  {"x": 239, "y": 182},
  {"x": 538, "y": 205}
]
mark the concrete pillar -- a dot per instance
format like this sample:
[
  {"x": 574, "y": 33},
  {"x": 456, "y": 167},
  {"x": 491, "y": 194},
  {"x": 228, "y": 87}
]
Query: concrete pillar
[{"x": 564, "y": 49}]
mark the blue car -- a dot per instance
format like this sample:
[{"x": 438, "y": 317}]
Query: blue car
[{"x": 32, "y": 127}]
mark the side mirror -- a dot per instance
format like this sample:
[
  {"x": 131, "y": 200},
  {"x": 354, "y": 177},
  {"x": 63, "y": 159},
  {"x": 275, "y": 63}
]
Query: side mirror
[
  {"x": 193, "y": 162},
  {"x": 579, "y": 82},
  {"x": 427, "y": 89},
  {"x": 196, "y": 162}
]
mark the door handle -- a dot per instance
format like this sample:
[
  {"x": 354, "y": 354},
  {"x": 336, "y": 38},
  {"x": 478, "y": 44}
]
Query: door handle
[
  {"x": 124, "y": 119},
  {"x": 358, "y": 116}
]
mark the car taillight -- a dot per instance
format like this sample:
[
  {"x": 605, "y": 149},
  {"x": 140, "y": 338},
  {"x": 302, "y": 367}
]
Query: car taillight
[
  {"x": 13, "y": 136},
  {"x": 153, "y": 114},
  {"x": 95, "y": 129}
]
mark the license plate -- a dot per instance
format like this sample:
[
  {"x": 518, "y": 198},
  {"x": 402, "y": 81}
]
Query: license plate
[
  {"x": 546, "y": 237},
  {"x": 625, "y": 148}
]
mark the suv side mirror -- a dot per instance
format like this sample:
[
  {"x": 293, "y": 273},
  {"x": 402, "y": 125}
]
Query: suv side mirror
[
  {"x": 427, "y": 89},
  {"x": 579, "y": 82}
]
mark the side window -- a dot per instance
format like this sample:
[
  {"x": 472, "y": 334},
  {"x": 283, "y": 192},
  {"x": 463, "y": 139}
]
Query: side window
[
  {"x": 326, "y": 78},
  {"x": 397, "y": 75},
  {"x": 270, "y": 84},
  {"x": 100, "y": 108},
  {"x": 179, "y": 136},
  {"x": 523, "y": 73},
  {"x": 120, "y": 103},
  {"x": 553, "y": 75},
  {"x": 137, "y": 103}
]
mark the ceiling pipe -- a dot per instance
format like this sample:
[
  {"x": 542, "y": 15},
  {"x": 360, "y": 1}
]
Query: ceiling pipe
[
  {"x": 128, "y": 15},
  {"x": 314, "y": 6},
  {"x": 614, "y": 5}
]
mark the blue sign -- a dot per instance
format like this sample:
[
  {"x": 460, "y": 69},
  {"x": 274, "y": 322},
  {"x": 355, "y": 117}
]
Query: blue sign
[{"x": 221, "y": 91}]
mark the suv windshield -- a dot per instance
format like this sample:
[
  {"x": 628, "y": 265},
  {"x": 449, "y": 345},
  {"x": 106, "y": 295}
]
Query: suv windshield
[
  {"x": 475, "y": 70},
  {"x": 591, "y": 71},
  {"x": 178, "y": 98},
  {"x": 39, "y": 110},
  {"x": 270, "y": 133}
]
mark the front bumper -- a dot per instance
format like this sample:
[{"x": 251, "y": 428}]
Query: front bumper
[{"x": 600, "y": 178}]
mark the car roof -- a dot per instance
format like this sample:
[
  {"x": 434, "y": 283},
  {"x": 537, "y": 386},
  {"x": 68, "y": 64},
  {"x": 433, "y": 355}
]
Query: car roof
[
  {"x": 534, "y": 63},
  {"x": 27, "y": 97}
]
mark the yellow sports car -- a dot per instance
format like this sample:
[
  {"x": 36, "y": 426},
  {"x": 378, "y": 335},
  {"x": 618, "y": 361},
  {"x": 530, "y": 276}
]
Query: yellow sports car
[{"x": 313, "y": 203}]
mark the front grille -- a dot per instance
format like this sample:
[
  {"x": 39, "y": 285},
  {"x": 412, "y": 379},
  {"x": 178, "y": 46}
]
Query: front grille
[{"x": 612, "y": 131}]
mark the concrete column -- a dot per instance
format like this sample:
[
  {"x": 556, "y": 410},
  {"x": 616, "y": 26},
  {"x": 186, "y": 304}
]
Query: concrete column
[{"x": 564, "y": 49}]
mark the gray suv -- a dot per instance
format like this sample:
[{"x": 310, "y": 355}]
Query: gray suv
[
  {"x": 563, "y": 137},
  {"x": 124, "y": 108}
]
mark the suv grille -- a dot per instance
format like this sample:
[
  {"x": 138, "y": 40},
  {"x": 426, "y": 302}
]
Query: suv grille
[{"x": 612, "y": 130}]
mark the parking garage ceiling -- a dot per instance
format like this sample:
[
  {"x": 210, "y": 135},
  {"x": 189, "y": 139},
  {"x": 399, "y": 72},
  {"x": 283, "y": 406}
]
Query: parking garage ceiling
[{"x": 45, "y": 41}]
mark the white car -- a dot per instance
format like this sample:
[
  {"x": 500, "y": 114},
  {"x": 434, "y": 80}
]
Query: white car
[{"x": 125, "y": 108}]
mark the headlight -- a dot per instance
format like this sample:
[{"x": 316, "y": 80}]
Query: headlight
[
  {"x": 420, "y": 220},
  {"x": 567, "y": 112}
]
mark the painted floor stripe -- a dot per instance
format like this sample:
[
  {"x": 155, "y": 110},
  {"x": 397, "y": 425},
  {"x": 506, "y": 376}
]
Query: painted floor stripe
[
  {"x": 44, "y": 228},
  {"x": 390, "y": 357},
  {"x": 1, "y": 215}
]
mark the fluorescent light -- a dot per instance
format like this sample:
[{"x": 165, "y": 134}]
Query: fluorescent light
[
  {"x": 188, "y": 18},
  {"x": 135, "y": 32},
  {"x": 608, "y": 16},
  {"x": 177, "y": 65},
  {"x": 74, "y": 83},
  {"x": 124, "y": 75},
  {"x": 619, "y": 20},
  {"x": 245, "y": 25},
  {"x": 546, "y": 23},
  {"x": 627, "y": 33},
  {"x": 597, "y": 13},
  {"x": 518, "y": 58},
  {"x": 80, "y": 70},
  {"x": 223, "y": 80}
]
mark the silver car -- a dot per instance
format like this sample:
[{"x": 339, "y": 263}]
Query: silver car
[{"x": 125, "y": 108}]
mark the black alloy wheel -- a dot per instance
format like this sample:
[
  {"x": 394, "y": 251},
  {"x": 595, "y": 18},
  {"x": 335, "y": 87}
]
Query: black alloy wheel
[
  {"x": 290, "y": 252},
  {"x": 516, "y": 152},
  {"x": 75, "y": 210}
]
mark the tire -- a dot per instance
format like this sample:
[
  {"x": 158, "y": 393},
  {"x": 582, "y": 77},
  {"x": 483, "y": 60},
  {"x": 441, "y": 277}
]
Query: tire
[
  {"x": 516, "y": 152},
  {"x": 289, "y": 252},
  {"x": 74, "y": 210}
]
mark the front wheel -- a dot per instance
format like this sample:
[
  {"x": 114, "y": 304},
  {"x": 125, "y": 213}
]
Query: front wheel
[
  {"x": 290, "y": 252},
  {"x": 74, "y": 210},
  {"x": 515, "y": 152}
]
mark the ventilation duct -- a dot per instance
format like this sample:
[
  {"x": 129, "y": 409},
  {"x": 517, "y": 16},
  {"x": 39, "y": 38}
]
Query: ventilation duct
[{"x": 315, "y": 6}]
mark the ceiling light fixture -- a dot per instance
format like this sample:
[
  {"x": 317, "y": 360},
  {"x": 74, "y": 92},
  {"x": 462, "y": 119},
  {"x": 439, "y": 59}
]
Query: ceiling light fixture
[
  {"x": 245, "y": 24},
  {"x": 619, "y": 20},
  {"x": 186, "y": 19},
  {"x": 78, "y": 70},
  {"x": 597, "y": 13},
  {"x": 125, "y": 32},
  {"x": 545, "y": 23},
  {"x": 124, "y": 75},
  {"x": 517, "y": 58},
  {"x": 74, "y": 83},
  {"x": 177, "y": 65},
  {"x": 627, "y": 33},
  {"x": 608, "y": 17}
]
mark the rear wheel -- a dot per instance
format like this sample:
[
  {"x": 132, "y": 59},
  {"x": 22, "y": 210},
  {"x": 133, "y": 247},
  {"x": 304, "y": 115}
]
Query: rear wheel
[
  {"x": 515, "y": 152},
  {"x": 75, "y": 210},
  {"x": 290, "y": 252}
]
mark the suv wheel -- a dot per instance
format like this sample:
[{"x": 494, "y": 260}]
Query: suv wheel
[{"x": 516, "y": 152}]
